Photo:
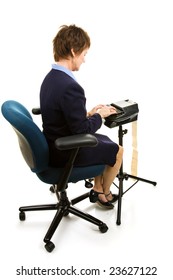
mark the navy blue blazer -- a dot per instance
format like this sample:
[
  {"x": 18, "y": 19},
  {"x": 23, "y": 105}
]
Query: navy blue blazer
[
  {"x": 63, "y": 109},
  {"x": 63, "y": 102}
]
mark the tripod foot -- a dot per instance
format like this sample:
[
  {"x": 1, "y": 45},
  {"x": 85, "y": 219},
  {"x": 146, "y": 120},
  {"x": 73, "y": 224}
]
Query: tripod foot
[
  {"x": 139, "y": 179},
  {"x": 118, "y": 223}
]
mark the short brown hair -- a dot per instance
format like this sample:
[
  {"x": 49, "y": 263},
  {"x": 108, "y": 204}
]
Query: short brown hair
[{"x": 68, "y": 38}]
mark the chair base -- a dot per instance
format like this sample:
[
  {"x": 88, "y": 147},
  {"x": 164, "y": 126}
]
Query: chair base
[{"x": 63, "y": 208}]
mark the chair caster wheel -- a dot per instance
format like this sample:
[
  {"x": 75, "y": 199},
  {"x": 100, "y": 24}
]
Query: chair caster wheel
[
  {"x": 22, "y": 216},
  {"x": 66, "y": 213},
  {"x": 88, "y": 184},
  {"x": 103, "y": 228},
  {"x": 52, "y": 189},
  {"x": 49, "y": 246}
]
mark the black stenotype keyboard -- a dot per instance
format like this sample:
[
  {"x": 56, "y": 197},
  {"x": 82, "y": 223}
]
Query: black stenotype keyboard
[{"x": 126, "y": 111}]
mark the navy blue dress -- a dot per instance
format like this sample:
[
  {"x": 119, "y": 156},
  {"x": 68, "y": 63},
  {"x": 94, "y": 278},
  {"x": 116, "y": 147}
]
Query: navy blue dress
[{"x": 63, "y": 109}]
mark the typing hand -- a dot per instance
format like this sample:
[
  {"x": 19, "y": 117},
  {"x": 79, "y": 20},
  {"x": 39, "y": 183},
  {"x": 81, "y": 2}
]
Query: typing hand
[
  {"x": 106, "y": 111},
  {"x": 94, "y": 110}
]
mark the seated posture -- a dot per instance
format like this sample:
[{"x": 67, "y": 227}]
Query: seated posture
[{"x": 63, "y": 109}]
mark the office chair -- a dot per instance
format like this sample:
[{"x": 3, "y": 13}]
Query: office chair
[{"x": 35, "y": 151}]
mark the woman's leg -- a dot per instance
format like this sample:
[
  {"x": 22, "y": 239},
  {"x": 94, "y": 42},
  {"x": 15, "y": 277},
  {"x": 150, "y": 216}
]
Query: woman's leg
[
  {"x": 98, "y": 187},
  {"x": 102, "y": 183},
  {"x": 110, "y": 174}
]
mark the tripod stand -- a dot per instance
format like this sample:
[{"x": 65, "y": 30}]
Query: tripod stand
[{"x": 122, "y": 175}]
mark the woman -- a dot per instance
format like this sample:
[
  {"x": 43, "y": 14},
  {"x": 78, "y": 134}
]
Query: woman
[{"x": 63, "y": 108}]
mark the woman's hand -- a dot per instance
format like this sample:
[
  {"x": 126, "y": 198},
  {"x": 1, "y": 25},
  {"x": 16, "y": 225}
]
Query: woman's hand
[
  {"x": 94, "y": 110},
  {"x": 106, "y": 111},
  {"x": 103, "y": 110}
]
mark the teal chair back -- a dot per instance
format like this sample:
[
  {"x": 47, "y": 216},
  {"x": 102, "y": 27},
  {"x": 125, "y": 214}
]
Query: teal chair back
[{"x": 34, "y": 147}]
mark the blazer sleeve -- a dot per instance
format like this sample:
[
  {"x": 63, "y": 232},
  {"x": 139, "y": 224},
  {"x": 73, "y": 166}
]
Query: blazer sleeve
[{"x": 73, "y": 105}]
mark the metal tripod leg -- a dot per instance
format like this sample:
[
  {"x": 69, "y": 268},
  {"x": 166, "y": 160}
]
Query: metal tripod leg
[
  {"x": 125, "y": 176},
  {"x": 142, "y": 179},
  {"x": 121, "y": 176}
]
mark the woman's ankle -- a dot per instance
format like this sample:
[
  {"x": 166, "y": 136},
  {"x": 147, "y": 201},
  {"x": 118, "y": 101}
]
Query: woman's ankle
[{"x": 98, "y": 189}]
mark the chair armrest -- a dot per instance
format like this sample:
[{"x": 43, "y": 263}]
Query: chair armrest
[
  {"x": 36, "y": 111},
  {"x": 76, "y": 141}
]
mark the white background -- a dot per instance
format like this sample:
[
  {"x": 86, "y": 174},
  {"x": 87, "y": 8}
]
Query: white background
[{"x": 131, "y": 56}]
